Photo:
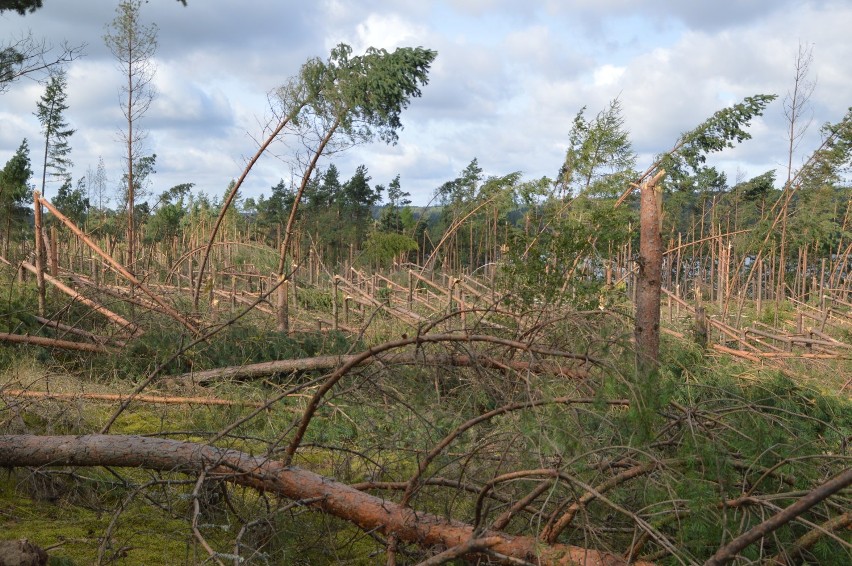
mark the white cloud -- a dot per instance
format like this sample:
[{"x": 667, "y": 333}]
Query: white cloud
[
  {"x": 509, "y": 78},
  {"x": 387, "y": 31},
  {"x": 607, "y": 75}
]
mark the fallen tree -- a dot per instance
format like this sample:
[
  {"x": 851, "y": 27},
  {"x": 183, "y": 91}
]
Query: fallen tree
[
  {"x": 366, "y": 511},
  {"x": 265, "y": 369},
  {"x": 52, "y": 343}
]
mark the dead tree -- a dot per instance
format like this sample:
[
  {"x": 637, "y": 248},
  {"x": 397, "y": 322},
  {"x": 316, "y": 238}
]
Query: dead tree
[{"x": 649, "y": 281}]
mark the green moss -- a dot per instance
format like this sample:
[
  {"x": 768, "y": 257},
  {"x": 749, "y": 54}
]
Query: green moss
[{"x": 141, "y": 536}]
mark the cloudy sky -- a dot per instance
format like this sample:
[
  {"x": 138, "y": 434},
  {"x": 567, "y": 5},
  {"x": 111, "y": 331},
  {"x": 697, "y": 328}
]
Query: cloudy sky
[{"x": 509, "y": 77}]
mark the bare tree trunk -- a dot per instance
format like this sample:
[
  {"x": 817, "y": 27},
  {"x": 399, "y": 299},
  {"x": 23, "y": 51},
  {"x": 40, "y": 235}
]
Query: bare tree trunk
[
  {"x": 370, "y": 513},
  {"x": 647, "y": 330},
  {"x": 795, "y": 104},
  {"x": 52, "y": 343},
  {"x": 39, "y": 254}
]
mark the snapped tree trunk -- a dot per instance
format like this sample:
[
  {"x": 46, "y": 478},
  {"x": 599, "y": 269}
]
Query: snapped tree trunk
[
  {"x": 649, "y": 281},
  {"x": 368, "y": 512}
]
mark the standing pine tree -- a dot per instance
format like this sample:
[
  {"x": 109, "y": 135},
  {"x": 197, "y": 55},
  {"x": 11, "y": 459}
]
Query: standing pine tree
[
  {"x": 133, "y": 44},
  {"x": 14, "y": 194},
  {"x": 391, "y": 218},
  {"x": 56, "y": 131}
]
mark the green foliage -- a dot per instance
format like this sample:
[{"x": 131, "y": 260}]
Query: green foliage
[
  {"x": 56, "y": 132},
  {"x": 684, "y": 164},
  {"x": 165, "y": 223},
  {"x": 72, "y": 202},
  {"x": 758, "y": 188},
  {"x": 461, "y": 190},
  {"x": 600, "y": 158},
  {"x": 391, "y": 219},
  {"x": 568, "y": 236},
  {"x": 367, "y": 93},
  {"x": 832, "y": 161},
  {"x": 382, "y": 248},
  {"x": 22, "y": 7},
  {"x": 11, "y": 60},
  {"x": 143, "y": 169},
  {"x": 15, "y": 194},
  {"x": 338, "y": 214}
]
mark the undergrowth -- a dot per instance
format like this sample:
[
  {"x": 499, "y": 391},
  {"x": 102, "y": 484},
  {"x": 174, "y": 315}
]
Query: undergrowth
[{"x": 721, "y": 444}]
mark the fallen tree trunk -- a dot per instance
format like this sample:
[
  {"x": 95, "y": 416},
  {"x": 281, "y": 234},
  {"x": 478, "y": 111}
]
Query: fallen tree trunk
[
  {"x": 52, "y": 343},
  {"x": 265, "y": 369},
  {"x": 118, "y": 268},
  {"x": 366, "y": 511},
  {"x": 171, "y": 400},
  {"x": 122, "y": 322}
]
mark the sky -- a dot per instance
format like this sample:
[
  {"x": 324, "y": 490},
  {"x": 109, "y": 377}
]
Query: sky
[{"x": 507, "y": 82}]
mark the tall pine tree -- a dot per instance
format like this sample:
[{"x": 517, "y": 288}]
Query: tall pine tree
[
  {"x": 50, "y": 109},
  {"x": 14, "y": 194}
]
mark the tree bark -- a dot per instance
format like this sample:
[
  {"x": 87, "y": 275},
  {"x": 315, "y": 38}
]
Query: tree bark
[
  {"x": 366, "y": 511},
  {"x": 165, "y": 400},
  {"x": 649, "y": 281}
]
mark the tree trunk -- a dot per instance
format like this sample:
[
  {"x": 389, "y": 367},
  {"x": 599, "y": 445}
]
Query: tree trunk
[
  {"x": 39, "y": 253},
  {"x": 322, "y": 363},
  {"x": 282, "y": 311},
  {"x": 647, "y": 330},
  {"x": 368, "y": 512}
]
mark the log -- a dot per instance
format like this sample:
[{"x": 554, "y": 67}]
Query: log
[
  {"x": 649, "y": 280},
  {"x": 117, "y": 397},
  {"x": 265, "y": 369},
  {"x": 367, "y": 512},
  {"x": 52, "y": 343},
  {"x": 750, "y": 356}
]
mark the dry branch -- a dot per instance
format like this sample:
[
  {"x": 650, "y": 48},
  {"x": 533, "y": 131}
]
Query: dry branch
[
  {"x": 170, "y": 400},
  {"x": 368, "y": 512},
  {"x": 476, "y": 545},
  {"x": 551, "y": 532},
  {"x": 792, "y": 554},
  {"x": 821, "y": 492},
  {"x": 104, "y": 340},
  {"x": 417, "y": 341}
]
